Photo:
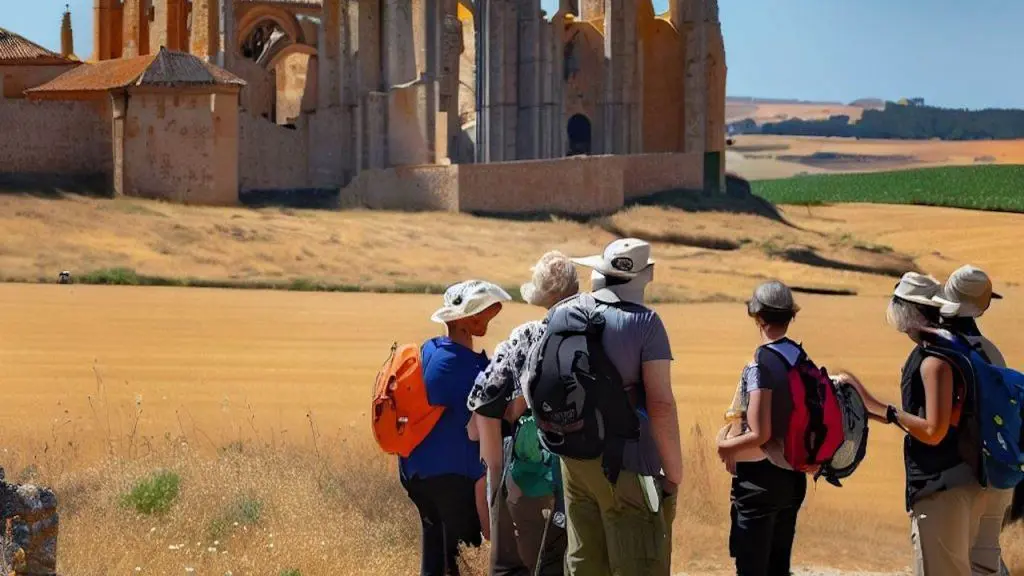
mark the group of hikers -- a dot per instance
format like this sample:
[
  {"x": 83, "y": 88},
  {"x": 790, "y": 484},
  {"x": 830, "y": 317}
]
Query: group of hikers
[{"x": 563, "y": 449}]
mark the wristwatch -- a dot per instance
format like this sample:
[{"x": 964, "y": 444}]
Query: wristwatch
[{"x": 891, "y": 414}]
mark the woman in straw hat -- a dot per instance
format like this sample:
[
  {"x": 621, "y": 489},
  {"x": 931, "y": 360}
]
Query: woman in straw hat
[
  {"x": 441, "y": 474},
  {"x": 522, "y": 476},
  {"x": 965, "y": 297},
  {"x": 943, "y": 496}
]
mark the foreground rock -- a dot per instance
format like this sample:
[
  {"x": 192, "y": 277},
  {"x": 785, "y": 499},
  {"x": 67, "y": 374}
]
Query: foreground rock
[{"x": 29, "y": 523}]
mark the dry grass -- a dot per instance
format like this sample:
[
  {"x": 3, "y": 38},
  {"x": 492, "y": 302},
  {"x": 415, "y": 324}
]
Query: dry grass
[
  {"x": 756, "y": 156},
  {"x": 410, "y": 251},
  {"x": 263, "y": 395},
  {"x": 260, "y": 397}
]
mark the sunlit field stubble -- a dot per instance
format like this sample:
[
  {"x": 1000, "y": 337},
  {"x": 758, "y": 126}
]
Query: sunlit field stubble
[{"x": 219, "y": 430}]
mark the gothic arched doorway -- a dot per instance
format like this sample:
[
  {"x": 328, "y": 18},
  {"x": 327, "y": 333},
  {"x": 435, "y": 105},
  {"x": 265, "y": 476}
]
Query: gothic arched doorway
[{"x": 579, "y": 135}]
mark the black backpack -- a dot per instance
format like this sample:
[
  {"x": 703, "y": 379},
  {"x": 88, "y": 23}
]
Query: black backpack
[{"x": 577, "y": 396}]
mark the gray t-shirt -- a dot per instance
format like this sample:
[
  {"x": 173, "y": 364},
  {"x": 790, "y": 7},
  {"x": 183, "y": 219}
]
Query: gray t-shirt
[
  {"x": 770, "y": 371},
  {"x": 633, "y": 335}
]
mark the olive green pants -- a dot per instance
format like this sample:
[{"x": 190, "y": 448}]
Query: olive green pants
[{"x": 611, "y": 530}]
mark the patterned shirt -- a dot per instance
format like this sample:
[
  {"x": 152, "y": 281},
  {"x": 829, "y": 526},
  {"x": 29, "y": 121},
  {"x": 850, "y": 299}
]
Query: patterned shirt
[{"x": 498, "y": 385}]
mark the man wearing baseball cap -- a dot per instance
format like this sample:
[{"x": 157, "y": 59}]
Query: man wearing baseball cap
[
  {"x": 626, "y": 528},
  {"x": 964, "y": 298}
]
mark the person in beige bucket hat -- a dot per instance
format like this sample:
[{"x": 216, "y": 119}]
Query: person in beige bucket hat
[
  {"x": 967, "y": 293},
  {"x": 964, "y": 298},
  {"x": 943, "y": 497}
]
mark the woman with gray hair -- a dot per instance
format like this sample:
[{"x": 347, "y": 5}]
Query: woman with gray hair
[
  {"x": 522, "y": 477},
  {"x": 943, "y": 495}
]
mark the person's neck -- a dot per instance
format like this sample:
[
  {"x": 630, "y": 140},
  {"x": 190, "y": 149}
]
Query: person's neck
[
  {"x": 769, "y": 335},
  {"x": 461, "y": 338}
]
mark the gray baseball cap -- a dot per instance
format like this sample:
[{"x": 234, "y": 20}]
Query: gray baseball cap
[{"x": 772, "y": 296}]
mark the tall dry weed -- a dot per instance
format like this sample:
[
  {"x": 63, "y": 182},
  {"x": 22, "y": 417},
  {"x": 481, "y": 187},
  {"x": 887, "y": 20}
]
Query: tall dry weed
[{"x": 250, "y": 502}]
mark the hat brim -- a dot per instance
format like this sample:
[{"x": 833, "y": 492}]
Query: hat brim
[
  {"x": 598, "y": 263},
  {"x": 932, "y": 302},
  {"x": 446, "y": 314},
  {"x": 952, "y": 309}
]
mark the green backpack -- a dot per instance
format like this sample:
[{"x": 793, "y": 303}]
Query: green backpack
[{"x": 531, "y": 463}]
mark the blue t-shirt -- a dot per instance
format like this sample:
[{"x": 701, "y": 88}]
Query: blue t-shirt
[{"x": 449, "y": 370}]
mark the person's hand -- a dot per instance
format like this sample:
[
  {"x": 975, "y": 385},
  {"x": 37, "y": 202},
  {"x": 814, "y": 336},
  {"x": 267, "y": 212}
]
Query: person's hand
[{"x": 726, "y": 456}]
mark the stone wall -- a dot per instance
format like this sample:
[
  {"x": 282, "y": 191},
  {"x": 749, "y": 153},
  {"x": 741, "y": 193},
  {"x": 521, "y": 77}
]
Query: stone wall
[
  {"x": 645, "y": 174},
  {"x": 259, "y": 96},
  {"x": 426, "y": 187},
  {"x": 578, "y": 185},
  {"x": 16, "y": 79},
  {"x": 272, "y": 157},
  {"x": 55, "y": 138},
  {"x": 182, "y": 147}
]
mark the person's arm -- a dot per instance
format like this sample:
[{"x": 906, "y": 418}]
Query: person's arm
[
  {"x": 491, "y": 452},
  {"x": 937, "y": 376},
  {"x": 515, "y": 409},
  {"x": 759, "y": 420},
  {"x": 661, "y": 409},
  {"x": 876, "y": 408}
]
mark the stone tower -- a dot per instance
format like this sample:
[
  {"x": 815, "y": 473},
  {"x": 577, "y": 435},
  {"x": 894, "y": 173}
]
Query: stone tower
[
  {"x": 204, "y": 41},
  {"x": 688, "y": 16},
  {"x": 135, "y": 29},
  {"x": 67, "y": 39},
  {"x": 106, "y": 29},
  {"x": 623, "y": 83}
]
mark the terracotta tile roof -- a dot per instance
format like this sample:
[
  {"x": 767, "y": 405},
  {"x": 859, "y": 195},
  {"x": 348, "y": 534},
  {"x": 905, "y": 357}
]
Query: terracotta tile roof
[
  {"x": 15, "y": 48},
  {"x": 163, "y": 69}
]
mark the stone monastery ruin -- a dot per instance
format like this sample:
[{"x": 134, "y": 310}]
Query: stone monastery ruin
[{"x": 462, "y": 105}]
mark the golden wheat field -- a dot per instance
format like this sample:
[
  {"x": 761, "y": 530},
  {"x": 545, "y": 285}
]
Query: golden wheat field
[
  {"x": 257, "y": 399},
  {"x": 763, "y": 157}
]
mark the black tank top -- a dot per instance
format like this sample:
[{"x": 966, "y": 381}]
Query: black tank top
[{"x": 924, "y": 464}]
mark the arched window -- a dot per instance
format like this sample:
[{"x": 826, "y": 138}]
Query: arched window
[{"x": 579, "y": 135}]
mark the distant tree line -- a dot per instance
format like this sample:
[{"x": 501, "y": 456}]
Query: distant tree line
[{"x": 907, "y": 122}]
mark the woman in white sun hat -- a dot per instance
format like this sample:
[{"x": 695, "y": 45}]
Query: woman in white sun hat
[
  {"x": 442, "y": 473},
  {"x": 943, "y": 495},
  {"x": 521, "y": 474},
  {"x": 965, "y": 297}
]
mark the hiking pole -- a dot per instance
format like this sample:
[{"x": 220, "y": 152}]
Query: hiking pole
[{"x": 548, "y": 515}]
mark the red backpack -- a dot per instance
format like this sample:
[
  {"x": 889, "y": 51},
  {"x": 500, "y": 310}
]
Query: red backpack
[{"x": 816, "y": 423}]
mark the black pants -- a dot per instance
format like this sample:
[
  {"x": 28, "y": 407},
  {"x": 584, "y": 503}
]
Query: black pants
[
  {"x": 447, "y": 507},
  {"x": 765, "y": 503}
]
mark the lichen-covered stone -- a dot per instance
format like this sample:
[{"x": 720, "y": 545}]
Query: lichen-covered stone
[{"x": 28, "y": 515}]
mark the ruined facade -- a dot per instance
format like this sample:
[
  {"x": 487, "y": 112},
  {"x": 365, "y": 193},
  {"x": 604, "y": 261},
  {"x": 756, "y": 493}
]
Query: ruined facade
[{"x": 335, "y": 88}]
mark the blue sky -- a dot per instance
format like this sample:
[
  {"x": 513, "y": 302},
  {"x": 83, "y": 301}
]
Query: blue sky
[{"x": 951, "y": 52}]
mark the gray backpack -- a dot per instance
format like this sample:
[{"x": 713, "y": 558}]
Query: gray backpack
[{"x": 575, "y": 392}]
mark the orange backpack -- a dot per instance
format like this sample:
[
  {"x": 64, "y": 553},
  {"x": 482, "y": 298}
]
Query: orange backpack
[{"x": 402, "y": 415}]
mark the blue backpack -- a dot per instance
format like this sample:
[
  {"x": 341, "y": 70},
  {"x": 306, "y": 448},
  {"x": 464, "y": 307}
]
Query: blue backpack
[{"x": 998, "y": 413}]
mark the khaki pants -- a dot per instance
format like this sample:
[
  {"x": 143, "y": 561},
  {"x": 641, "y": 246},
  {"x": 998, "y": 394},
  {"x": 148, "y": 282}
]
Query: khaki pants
[
  {"x": 985, "y": 552},
  {"x": 611, "y": 530},
  {"x": 944, "y": 527}
]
